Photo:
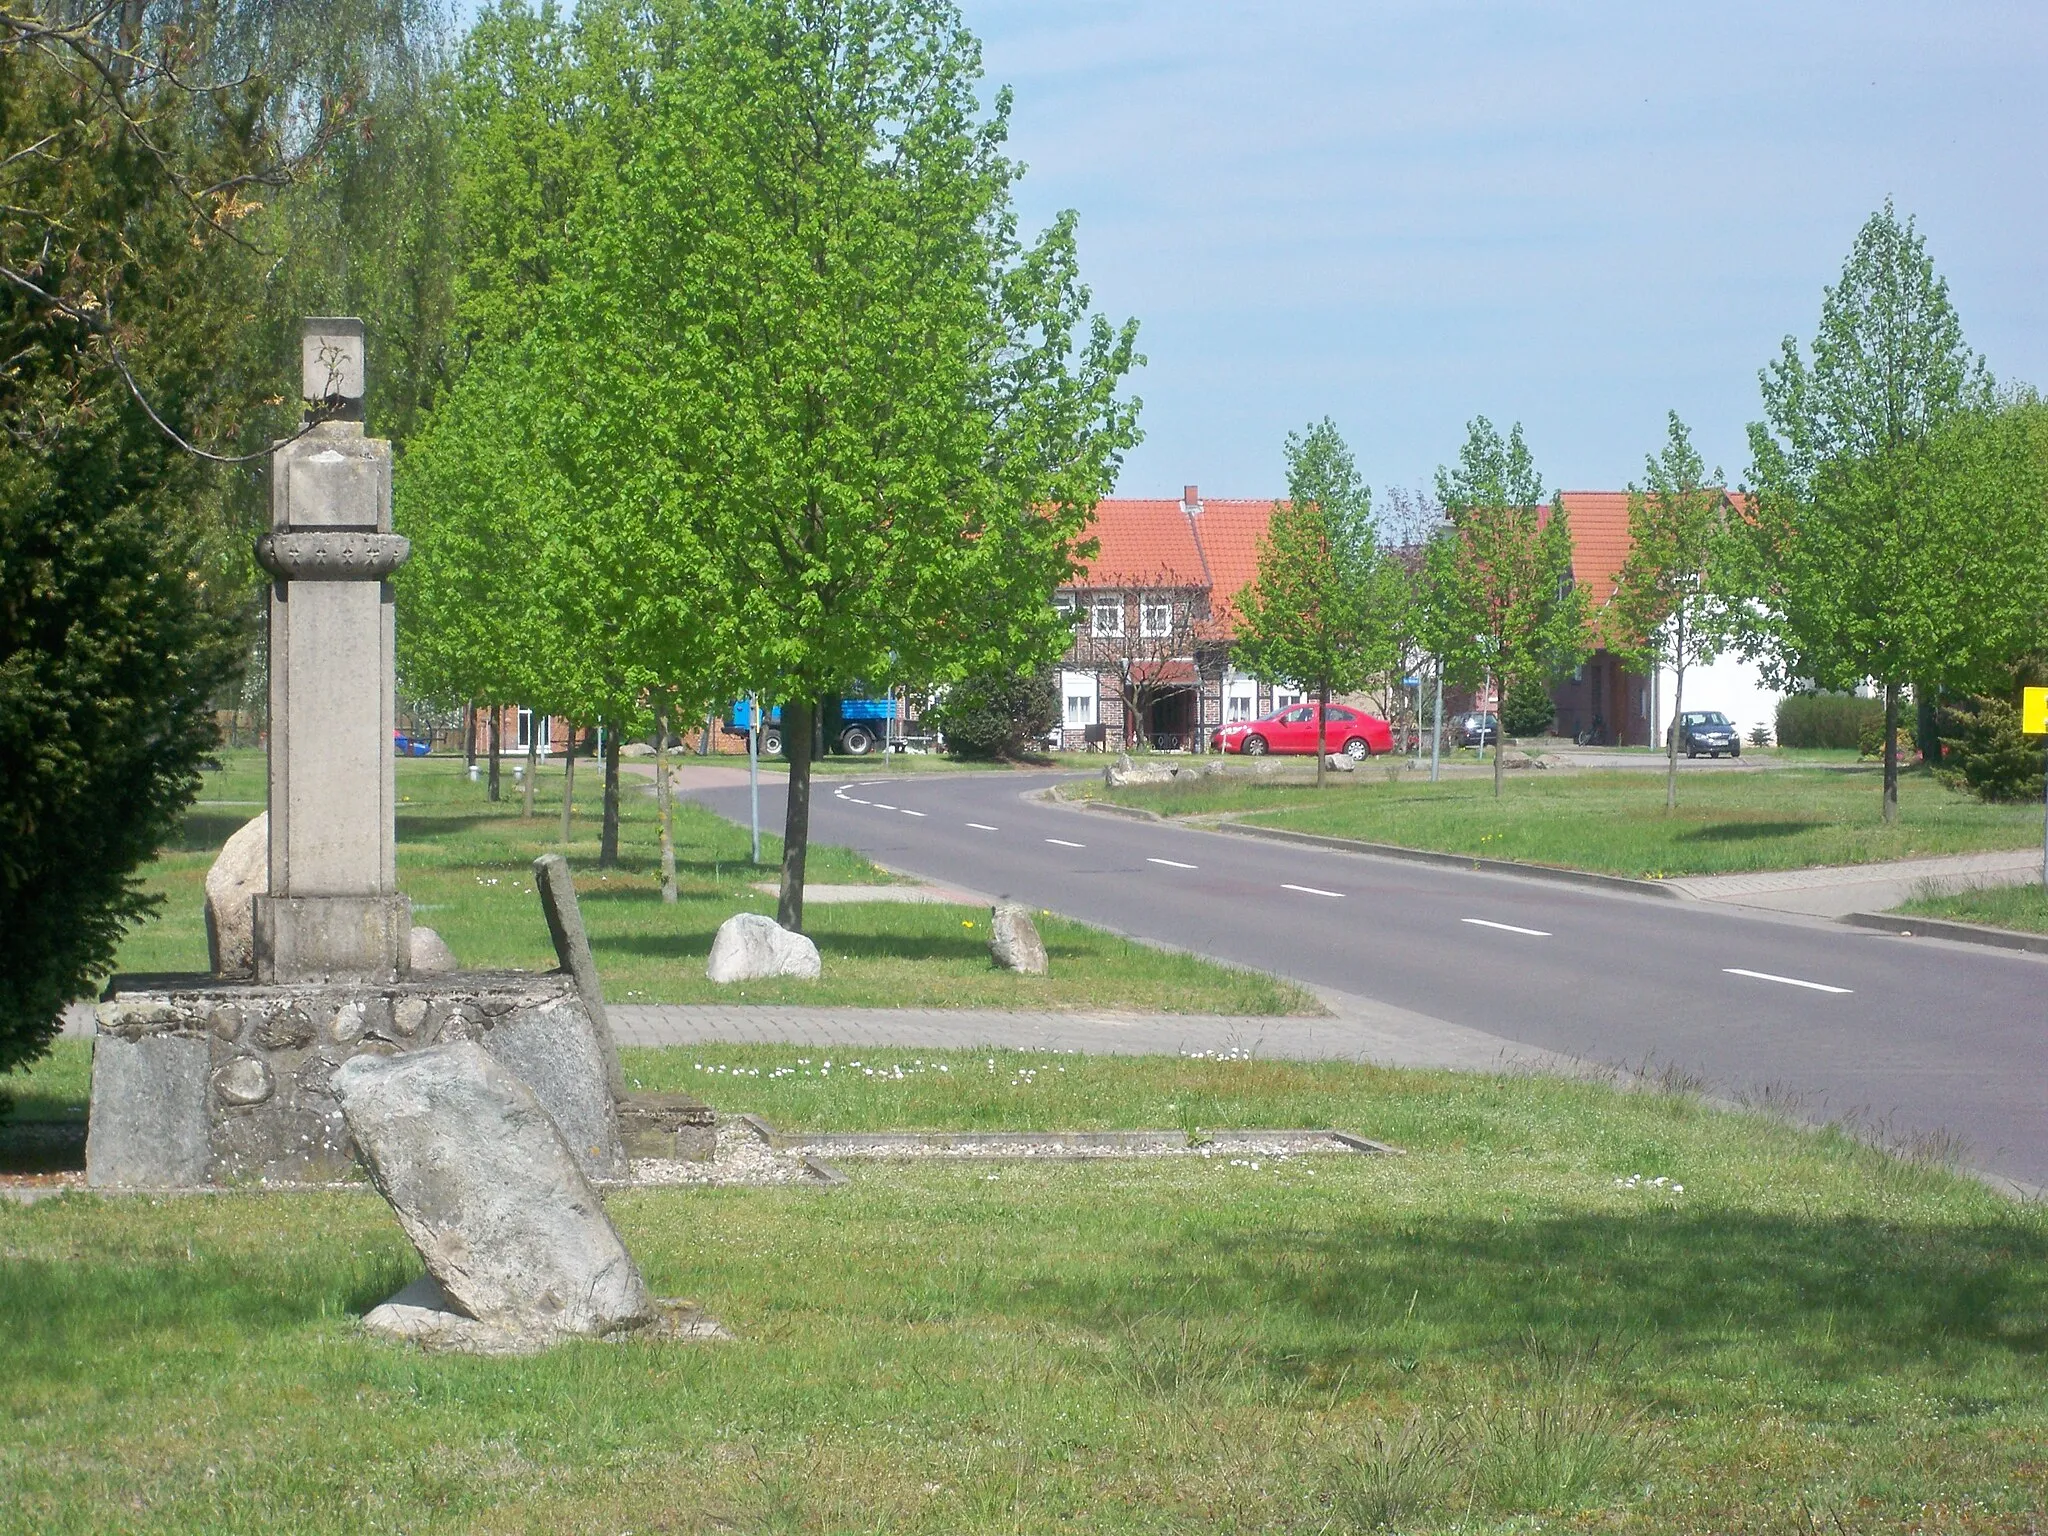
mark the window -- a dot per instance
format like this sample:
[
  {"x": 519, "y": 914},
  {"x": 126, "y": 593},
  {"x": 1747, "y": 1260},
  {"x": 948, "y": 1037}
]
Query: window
[
  {"x": 1063, "y": 602},
  {"x": 1301, "y": 714},
  {"x": 1155, "y": 617},
  {"x": 1284, "y": 695},
  {"x": 1344, "y": 715},
  {"x": 1078, "y": 690},
  {"x": 1108, "y": 617}
]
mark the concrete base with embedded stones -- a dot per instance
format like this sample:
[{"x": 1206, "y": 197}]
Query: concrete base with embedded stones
[{"x": 199, "y": 1083}]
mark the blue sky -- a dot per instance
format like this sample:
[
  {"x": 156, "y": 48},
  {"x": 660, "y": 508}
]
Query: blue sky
[{"x": 1403, "y": 213}]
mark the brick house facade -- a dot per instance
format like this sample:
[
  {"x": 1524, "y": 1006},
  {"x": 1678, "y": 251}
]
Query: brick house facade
[{"x": 1154, "y": 615}]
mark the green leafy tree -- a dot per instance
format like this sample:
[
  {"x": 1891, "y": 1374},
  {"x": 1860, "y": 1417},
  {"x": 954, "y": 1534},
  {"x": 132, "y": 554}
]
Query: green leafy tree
[
  {"x": 889, "y": 415},
  {"x": 126, "y": 171},
  {"x": 1667, "y": 610},
  {"x": 1001, "y": 715},
  {"x": 1499, "y": 581},
  {"x": 1324, "y": 612},
  {"x": 1877, "y": 549}
]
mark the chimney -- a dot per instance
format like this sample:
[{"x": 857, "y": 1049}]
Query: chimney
[{"x": 1191, "y": 499}]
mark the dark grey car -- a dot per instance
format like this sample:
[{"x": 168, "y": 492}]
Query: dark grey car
[{"x": 1707, "y": 731}]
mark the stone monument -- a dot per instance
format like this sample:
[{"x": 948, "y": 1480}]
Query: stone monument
[
  {"x": 203, "y": 1081},
  {"x": 333, "y": 911}
]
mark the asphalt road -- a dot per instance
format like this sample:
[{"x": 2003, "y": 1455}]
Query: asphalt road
[{"x": 1916, "y": 1036}]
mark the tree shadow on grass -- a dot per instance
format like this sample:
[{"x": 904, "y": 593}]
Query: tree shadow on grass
[
  {"x": 204, "y": 831},
  {"x": 1837, "y": 1300},
  {"x": 695, "y": 944},
  {"x": 1748, "y": 831}
]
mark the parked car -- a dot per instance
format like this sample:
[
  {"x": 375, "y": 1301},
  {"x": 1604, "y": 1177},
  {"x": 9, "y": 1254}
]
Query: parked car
[
  {"x": 403, "y": 745},
  {"x": 1293, "y": 729},
  {"x": 1708, "y": 731},
  {"x": 1474, "y": 728}
]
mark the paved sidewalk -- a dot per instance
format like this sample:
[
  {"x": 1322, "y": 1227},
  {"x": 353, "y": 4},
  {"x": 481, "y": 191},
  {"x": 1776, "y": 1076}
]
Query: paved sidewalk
[
  {"x": 1357, "y": 1029},
  {"x": 1837, "y": 890}
]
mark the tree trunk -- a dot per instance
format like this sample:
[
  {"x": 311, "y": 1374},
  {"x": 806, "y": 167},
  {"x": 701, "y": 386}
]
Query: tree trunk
[
  {"x": 608, "y": 837},
  {"x": 1891, "y": 753},
  {"x": 797, "y": 721},
  {"x": 1677, "y": 713},
  {"x": 1322, "y": 729},
  {"x": 532, "y": 766},
  {"x": 664, "y": 797},
  {"x": 1927, "y": 723},
  {"x": 568, "y": 782},
  {"x": 495, "y": 755},
  {"x": 468, "y": 734},
  {"x": 1677, "y": 706},
  {"x": 704, "y": 741},
  {"x": 1500, "y": 729}
]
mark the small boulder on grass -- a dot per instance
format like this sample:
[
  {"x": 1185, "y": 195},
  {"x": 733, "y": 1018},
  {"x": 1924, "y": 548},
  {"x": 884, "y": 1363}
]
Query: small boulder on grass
[
  {"x": 1013, "y": 941},
  {"x": 1340, "y": 762},
  {"x": 750, "y": 947},
  {"x": 240, "y": 873}
]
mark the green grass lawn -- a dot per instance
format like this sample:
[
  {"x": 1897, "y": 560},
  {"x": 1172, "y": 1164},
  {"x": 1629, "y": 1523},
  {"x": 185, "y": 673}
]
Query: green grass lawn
[
  {"x": 1493, "y": 1333},
  {"x": 1615, "y": 822},
  {"x": 467, "y": 865},
  {"x": 2007, "y": 906}
]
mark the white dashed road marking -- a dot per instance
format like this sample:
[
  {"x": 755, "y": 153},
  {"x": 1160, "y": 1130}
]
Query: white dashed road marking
[
  {"x": 1170, "y": 863},
  {"x": 913, "y": 813},
  {"x": 982, "y": 826},
  {"x": 858, "y": 801},
  {"x": 1062, "y": 842},
  {"x": 1480, "y": 922},
  {"x": 881, "y": 807},
  {"x": 1788, "y": 981},
  {"x": 1309, "y": 890}
]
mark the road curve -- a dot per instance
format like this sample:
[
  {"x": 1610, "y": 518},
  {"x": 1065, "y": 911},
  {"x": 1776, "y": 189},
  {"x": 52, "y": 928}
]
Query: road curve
[{"x": 1919, "y": 1036}]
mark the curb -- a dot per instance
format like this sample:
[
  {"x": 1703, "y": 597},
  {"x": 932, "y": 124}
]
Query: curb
[
  {"x": 1463, "y": 861},
  {"x": 1937, "y": 928}
]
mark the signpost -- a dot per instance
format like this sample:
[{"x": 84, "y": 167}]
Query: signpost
[{"x": 2034, "y": 722}]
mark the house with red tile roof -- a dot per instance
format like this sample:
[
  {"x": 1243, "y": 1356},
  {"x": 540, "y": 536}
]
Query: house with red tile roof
[
  {"x": 1604, "y": 701},
  {"x": 1154, "y": 613}
]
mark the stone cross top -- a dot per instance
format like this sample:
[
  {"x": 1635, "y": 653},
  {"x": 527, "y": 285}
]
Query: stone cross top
[{"x": 333, "y": 911}]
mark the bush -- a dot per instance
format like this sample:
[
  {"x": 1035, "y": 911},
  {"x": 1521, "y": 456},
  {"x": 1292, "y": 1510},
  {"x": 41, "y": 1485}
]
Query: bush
[
  {"x": 1826, "y": 719},
  {"x": 1759, "y": 735},
  {"x": 1527, "y": 709},
  {"x": 1985, "y": 752},
  {"x": 1000, "y": 715}
]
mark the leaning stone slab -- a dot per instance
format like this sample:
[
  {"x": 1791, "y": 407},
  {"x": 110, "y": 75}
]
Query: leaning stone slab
[
  {"x": 750, "y": 947},
  {"x": 230, "y": 1083},
  {"x": 1013, "y": 941},
  {"x": 240, "y": 873},
  {"x": 556, "y": 886},
  {"x": 491, "y": 1196}
]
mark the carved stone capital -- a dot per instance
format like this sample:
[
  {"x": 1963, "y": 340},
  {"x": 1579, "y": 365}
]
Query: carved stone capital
[{"x": 332, "y": 556}]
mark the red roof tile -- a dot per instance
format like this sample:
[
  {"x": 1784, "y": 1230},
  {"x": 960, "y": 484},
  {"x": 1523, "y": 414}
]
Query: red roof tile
[
  {"x": 1163, "y": 543},
  {"x": 1599, "y": 522}
]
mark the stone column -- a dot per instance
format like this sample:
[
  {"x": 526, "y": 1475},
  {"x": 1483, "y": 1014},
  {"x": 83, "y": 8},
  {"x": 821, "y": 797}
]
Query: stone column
[{"x": 333, "y": 911}]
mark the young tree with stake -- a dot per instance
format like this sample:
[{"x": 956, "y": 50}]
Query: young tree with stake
[
  {"x": 871, "y": 394},
  {"x": 1666, "y": 609},
  {"x": 1499, "y": 583},
  {"x": 1324, "y": 612},
  {"x": 1870, "y": 558}
]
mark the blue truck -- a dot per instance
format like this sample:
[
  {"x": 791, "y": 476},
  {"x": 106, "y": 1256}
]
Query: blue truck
[{"x": 853, "y": 725}]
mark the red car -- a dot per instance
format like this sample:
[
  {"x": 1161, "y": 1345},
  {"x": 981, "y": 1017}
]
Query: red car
[{"x": 1293, "y": 729}]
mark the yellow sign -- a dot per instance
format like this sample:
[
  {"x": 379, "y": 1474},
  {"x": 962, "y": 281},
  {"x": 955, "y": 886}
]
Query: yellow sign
[{"x": 2034, "y": 711}]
